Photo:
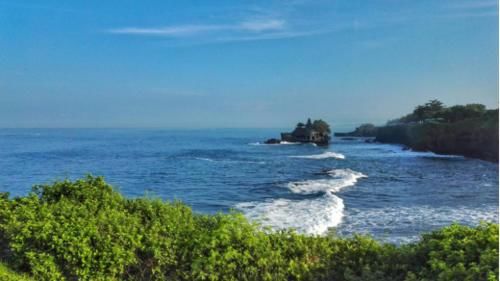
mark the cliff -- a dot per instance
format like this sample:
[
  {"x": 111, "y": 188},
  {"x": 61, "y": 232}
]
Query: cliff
[{"x": 473, "y": 137}]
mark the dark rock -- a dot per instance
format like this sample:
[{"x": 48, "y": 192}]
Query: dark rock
[{"x": 272, "y": 141}]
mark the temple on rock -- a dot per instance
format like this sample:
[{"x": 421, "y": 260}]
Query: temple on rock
[{"x": 317, "y": 132}]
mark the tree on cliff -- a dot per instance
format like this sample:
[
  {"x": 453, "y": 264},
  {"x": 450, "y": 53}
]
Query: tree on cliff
[
  {"x": 436, "y": 109},
  {"x": 366, "y": 130},
  {"x": 321, "y": 126},
  {"x": 462, "y": 112},
  {"x": 429, "y": 110}
]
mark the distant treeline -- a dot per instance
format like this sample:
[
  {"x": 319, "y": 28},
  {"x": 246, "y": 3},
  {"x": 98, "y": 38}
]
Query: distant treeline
[
  {"x": 84, "y": 230},
  {"x": 435, "y": 111},
  {"x": 470, "y": 130}
]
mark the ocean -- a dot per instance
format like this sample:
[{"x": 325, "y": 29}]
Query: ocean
[{"x": 346, "y": 188}]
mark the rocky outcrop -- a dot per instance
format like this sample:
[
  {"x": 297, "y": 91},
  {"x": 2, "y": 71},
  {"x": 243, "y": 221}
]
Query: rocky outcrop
[{"x": 272, "y": 141}]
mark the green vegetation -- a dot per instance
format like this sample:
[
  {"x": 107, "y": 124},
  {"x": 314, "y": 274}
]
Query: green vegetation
[
  {"x": 84, "y": 230},
  {"x": 321, "y": 126},
  {"x": 7, "y": 274},
  {"x": 469, "y": 130},
  {"x": 435, "y": 110}
]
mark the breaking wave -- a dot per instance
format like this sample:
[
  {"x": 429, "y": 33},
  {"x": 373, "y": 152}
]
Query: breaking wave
[
  {"x": 388, "y": 220},
  {"x": 340, "y": 178},
  {"x": 324, "y": 155},
  {"x": 309, "y": 216}
]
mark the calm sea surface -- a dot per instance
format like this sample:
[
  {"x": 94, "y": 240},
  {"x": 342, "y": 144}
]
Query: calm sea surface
[{"x": 352, "y": 186}]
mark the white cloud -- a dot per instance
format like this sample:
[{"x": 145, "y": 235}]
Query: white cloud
[
  {"x": 471, "y": 8},
  {"x": 272, "y": 36},
  {"x": 188, "y": 30},
  {"x": 462, "y": 15},
  {"x": 179, "y": 30},
  {"x": 477, "y": 4},
  {"x": 263, "y": 25}
]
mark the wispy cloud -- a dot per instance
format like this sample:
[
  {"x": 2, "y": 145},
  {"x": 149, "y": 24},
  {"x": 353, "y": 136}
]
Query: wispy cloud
[
  {"x": 271, "y": 36},
  {"x": 31, "y": 6},
  {"x": 476, "y": 4},
  {"x": 273, "y": 20},
  {"x": 471, "y": 8},
  {"x": 180, "y": 30},
  {"x": 265, "y": 25},
  {"x": 256, "y": 26},
  {"x": 479, "y": 14}
]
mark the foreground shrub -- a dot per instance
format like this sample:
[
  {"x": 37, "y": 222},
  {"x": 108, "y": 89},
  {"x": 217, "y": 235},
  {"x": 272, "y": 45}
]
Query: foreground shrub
[
  {"x": 7, "y": 274},
  {"x": 458, "y": 253},
  {"x": 84, "y": 230}
]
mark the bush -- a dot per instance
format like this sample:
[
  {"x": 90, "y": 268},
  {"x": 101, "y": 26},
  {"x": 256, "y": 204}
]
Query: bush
[
  {"x": 458, "y": 253},
  {"x": 84, "y": 230},
  {"x": 7, "y": 274}
]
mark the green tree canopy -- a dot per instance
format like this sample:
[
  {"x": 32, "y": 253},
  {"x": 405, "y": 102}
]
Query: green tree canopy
[
  {"x": 321, "y": 126},
  {"x": 436, "y": 109},
  {"x": 429, "y": 110}
]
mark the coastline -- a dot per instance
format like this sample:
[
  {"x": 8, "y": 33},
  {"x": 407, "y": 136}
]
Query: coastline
[{"x": 446, "y": 139}]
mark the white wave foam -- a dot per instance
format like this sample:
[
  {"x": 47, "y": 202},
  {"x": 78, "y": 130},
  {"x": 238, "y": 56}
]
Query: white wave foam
[
  {"x": 324, "y": 155},
  {"x": 204, "y": 159},
  {"x": 392, "y": 150},
  {"x": 340, "y": 178},
  {"x": 387, "y": 223},
  {"x": 309, "y": 216},
  {"x": 434, "y": 155},
  {"x": 288, "y": 142},
  {"x": 274, "y": 144},
  {"x": 412, "y": 153},
  {"x": 230, "y": 161}
]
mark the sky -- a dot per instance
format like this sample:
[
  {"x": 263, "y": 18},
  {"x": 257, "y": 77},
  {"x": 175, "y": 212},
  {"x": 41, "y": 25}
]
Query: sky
[{"x": 240, "y": 64}]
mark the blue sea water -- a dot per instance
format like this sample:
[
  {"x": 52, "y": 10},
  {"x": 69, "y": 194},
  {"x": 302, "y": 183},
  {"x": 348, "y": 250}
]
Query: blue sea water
[{"x": 349, "y": 187}]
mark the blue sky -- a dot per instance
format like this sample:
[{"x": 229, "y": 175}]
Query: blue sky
[{"x": 214, "y": 64}]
